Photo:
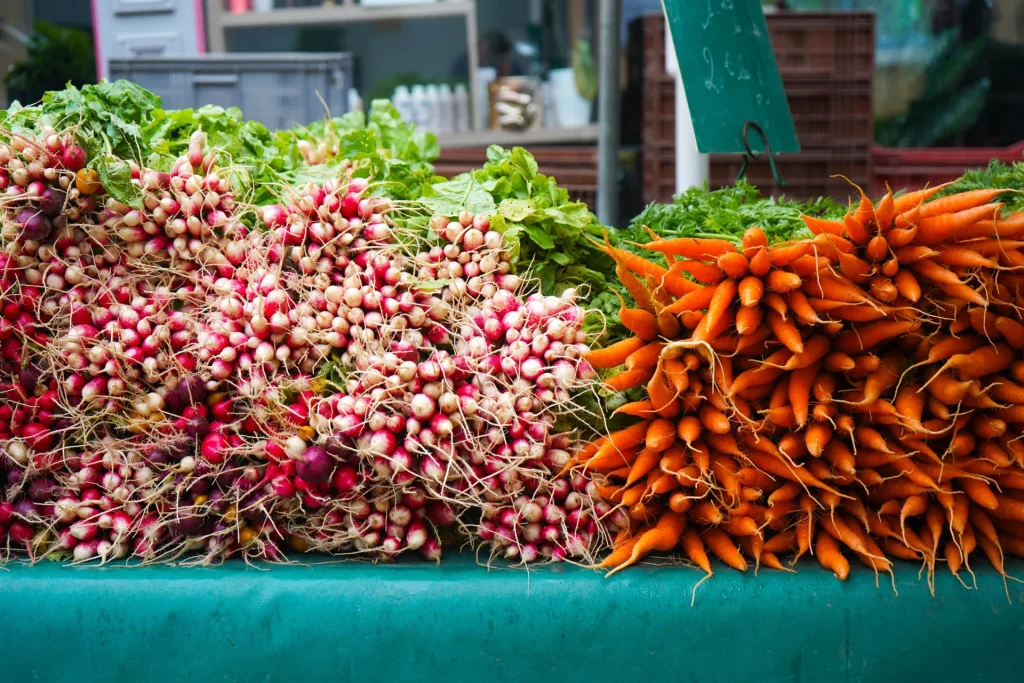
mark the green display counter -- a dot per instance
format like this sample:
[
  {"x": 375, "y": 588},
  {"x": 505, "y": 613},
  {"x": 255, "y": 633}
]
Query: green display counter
[{"x": 460, "y": 622}]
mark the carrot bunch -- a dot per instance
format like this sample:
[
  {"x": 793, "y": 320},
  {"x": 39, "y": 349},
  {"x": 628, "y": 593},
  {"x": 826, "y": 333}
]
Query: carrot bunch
[{"x": 858, "y": 395}]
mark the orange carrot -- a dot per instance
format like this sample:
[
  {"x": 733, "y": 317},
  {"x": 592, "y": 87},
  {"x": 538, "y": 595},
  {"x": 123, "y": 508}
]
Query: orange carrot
[
  {"x": 785, "y": 331},
  {"x": 818, "y": 226},
  {"x": 945, "y": 205},
  {"x": 722, "y": 299},
  {"x": 694, "y": 301},
  {"x": 907, "y": 286},
  {"x": 748, "y": 318},
  {"x": 691, "y": 247},
  {"x": 867, "y": 336},
  {"x": 629, "y": 379},
  {"x": 750, "y": 290},
  {"x": 615, "y": 354},
  {"x": 662, "y": 537},
  {"x": 724, "y": 549},
  {"x": 829, "y": 556},
  {"x": 638, "y": 321},
  {"x": 645, "y": 357},
  {"x": 734, "y": 264},
  {"x": 782, "y": 281}
]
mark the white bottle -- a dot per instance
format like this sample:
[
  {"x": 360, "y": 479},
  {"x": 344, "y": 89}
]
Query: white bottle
[
  {"x": 446, "y": 108},
  {"x": 434, "y": 107},
  {"x": 460, "y": 109},
  {"x": 403, "y": 103},
  {"x": 420, "y": 106},
  {"x": 355, "y": 102}
]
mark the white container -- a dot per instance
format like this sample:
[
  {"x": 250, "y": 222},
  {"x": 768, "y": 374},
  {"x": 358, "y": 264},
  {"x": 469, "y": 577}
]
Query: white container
[
  {"x": 484, "y": 76},
  {"x": 571, "y": 108},
  {"x": 403, "y": 103},
  {"x": 434, "y": 104},
  {"x": 355, "y": 102},
  {"x": 420, "y": 106},
  {"x": 547, "y": 95},
  {"x": 446, "y": 109},
  {"x": 460, "y": 109}
]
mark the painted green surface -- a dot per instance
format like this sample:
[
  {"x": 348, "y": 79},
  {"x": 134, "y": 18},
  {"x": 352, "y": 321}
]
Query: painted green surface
[
  {"x": 459, "y": 622},
  {"x": 730, "y": 75}
]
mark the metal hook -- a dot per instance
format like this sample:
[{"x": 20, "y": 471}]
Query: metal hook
[{"x": 752, "y": 155}]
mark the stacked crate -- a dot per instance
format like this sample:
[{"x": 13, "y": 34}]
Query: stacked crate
[
  {"x": 826, "y": 60},
  {"x": 655, "y": 88}
]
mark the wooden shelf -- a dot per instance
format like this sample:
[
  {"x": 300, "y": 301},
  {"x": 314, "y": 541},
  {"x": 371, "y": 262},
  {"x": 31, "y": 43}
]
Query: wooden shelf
[
  {"x": 344, "y": 14},
  {"x": 541, "y": 136}
]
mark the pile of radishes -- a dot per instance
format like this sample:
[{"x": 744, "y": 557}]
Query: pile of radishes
[{"x": 195, "y": 378}]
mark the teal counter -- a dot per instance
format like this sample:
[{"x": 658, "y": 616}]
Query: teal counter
[{"x": 459, "y": 622}]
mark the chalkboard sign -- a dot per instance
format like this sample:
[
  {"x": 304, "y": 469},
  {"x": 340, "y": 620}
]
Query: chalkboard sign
[{"x": 730, "y": 75}]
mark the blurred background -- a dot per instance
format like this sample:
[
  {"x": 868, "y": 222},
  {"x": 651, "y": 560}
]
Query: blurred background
[{"x": 901, "y": 90}]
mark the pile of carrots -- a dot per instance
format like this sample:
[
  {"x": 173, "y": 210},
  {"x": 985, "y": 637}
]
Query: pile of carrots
[{"x": 856, "y": 396}]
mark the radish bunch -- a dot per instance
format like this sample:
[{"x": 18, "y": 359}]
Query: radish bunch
[{"x": 195, "y": 377}]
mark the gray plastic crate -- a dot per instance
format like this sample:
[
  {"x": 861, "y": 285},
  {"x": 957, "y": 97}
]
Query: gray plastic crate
[{"x": 277, "y": 89}]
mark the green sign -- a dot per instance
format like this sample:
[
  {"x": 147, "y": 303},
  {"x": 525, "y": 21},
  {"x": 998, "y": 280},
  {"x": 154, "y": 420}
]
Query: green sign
[{"x": 730, "y": 75}]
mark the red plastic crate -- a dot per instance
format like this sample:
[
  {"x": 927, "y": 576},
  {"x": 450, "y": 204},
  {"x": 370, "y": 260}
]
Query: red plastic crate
[
  {"x": 807, "y": 175},
  {"x": 838, "y": 46},
  {"x": 910, "y": 168}
]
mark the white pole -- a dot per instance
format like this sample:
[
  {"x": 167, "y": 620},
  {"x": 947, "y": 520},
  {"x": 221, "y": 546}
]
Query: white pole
[{"x": 692, "y": 167}]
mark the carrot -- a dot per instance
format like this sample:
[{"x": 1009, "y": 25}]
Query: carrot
[
  {"x": 797, "y": 302},
  {"x": 1012, "y": 331},
  {"x": 936, "y": 229},
  {"x": 734, "y": 264},
  {"x": 945, "y": 205},
  {"x": 783, "y": 281},
  {"x": 700, "y": 271},
  {"x": 867, "y": 336},
  {"x": 877, "y": 249},
  {"x": 901, "y": 237},
  {"x": 800, "y": 391},
  {"x": 785, "y": 254},
  {"x": 818, "y": 226},
  {"x": 661, "y": 433},
  {"x": 615, "y": 354},
  {"x": 618, "y": 441},
  {"x": 724, "y": 549},
  {"x": 855, "y": 229},
  {"x": 629, "y": 379},
  {"x": 688, "y": 429},
  {"x": 1008, "y": 508},
  {"x": 748, "y": 318},
  {"x": 694, "y": 548},
  {"x": 907, "y": 286},
  {"x": 691, "y": 247},
  {"x": 817, "y": 438},
  {"x": 693, "y": 301},
  {"x": 722, "y": 299},
  {"x": 661, "y": 395},
  {"x": 638, "y": 321},
  {"x": 676, "y": 373},
  {"x": 642, "y": 408},
  {"x": 714, "y": 420},
  {"x": 829, "y": 556},
  {"x": 837, "y": 362},
  {"x": 785, "y": 331},
  {"x": 750, "y": 290},
  {"x": 962, "y": 257},
  {"x": 662, "y": 537},
  {"x": 780, "y": 468},
  {"x": 646, "y": 356},
  {"x": 947, "y": 281},
  {"x": 910, "y": 200},
  {"x": 835, "y": 289},
  {"x": 635, "y": 287}
]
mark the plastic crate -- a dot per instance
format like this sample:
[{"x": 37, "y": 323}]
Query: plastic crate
[
  {"x": 279, "y": 90},
  {"x": 807, "y": 175},
  {"x": 839, "y": 46},
  {"x": 826, "y": 114},
  {"x": 917, "y": 168}
]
